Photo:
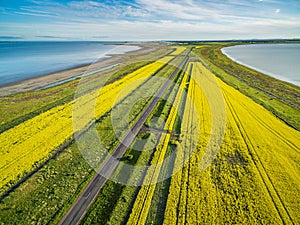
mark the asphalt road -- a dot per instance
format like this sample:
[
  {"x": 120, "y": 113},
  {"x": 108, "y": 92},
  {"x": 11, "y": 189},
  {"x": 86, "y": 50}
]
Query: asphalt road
[{"x": 81, "y": 205}]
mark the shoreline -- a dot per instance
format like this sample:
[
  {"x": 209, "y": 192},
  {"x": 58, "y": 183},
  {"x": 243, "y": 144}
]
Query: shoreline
[
  {"x": 76, "y": 77},
  {"x": 38, "y": 82},
  {"x": 273, "y": 75}
]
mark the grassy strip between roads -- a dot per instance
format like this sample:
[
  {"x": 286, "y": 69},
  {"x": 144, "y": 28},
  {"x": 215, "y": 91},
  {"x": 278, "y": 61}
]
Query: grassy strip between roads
[{"x": 143, "y": 201}]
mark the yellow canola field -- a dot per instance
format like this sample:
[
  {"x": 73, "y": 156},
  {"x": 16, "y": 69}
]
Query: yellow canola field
[
  {"x": 274, "y": 149},
  {"x": 254, "y": 178},
  {"x": 178, "y": 51},
  {"x": 143, "y": 201},
  {"x": 29, "y": 143}
]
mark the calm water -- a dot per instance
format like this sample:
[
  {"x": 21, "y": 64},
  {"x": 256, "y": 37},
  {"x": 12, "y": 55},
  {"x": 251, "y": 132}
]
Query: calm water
[
  {"x": 23, "y": 60},
  {"x": 278, "y": 60}
]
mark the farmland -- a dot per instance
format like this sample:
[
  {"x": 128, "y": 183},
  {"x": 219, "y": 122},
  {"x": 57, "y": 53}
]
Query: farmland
[
  {"x": 245, "y": 176},
  {"x": 234, "y": 155},
  {"x": 15, "y": 164}
]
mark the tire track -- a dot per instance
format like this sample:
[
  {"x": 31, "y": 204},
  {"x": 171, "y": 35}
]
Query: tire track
[
  {"x": 185, "y": 167},
  {"x": 276, "y": 133},
  {"x": 276, "y": 199},
  {"x": 190, "y": 125}
]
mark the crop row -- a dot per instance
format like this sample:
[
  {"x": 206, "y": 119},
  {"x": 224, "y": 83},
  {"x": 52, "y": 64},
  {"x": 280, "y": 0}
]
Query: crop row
[
  {"x": 26, "y": 145},
  {"x": 178, "y": 191},
  {"x": 143, "y": 201}
]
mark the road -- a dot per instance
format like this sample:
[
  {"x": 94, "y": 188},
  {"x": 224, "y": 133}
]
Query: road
[{"x": 81, "y": 205}]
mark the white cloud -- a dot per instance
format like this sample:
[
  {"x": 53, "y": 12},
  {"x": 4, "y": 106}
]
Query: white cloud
[
  {"x": 162, "y": 30},
  {"x": 212, "y": 11},
  {"x": 159, "y": 19},
  {"x": 269, "y": 1}
]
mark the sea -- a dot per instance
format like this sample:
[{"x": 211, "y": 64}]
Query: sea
[
  {"x": 281, "y": 61},
  {"x": 23, "y": 60}
]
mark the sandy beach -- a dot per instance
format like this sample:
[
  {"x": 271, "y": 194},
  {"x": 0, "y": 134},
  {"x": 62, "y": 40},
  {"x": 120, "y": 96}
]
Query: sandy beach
[{"x": 47, "y": 79}]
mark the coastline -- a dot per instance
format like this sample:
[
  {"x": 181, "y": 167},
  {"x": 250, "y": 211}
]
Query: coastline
[
  {"x": 111, "y": 59},
  {"x": 76, "y": 77},
  {"x": 276, "y": 76}
]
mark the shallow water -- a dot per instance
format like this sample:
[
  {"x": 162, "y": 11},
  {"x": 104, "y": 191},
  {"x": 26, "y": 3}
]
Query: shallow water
[
  {"x": 24, "y": 60},
  {"x": 281, "y": 61}
]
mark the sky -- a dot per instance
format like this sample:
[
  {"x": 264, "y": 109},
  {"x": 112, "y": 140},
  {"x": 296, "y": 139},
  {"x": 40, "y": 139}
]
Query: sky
[{"x": 147, "y": 20}]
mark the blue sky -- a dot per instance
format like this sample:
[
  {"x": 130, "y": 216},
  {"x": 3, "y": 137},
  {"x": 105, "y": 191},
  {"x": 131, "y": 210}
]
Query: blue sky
[{"x": 148, "y": 20}]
